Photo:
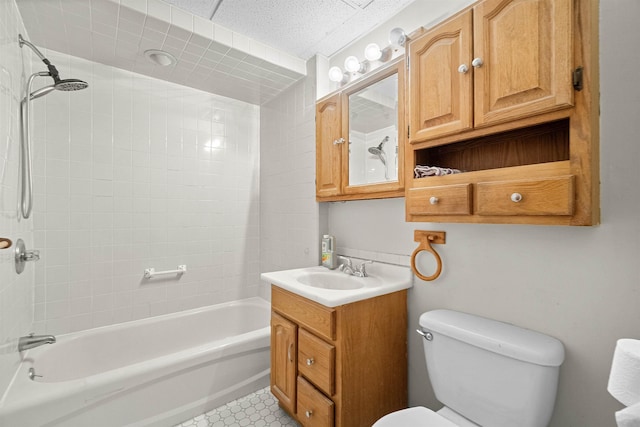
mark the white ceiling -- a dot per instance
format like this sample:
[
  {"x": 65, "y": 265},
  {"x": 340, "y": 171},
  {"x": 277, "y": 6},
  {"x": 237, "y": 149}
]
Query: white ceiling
[
  {"x": 300, "y": 27},
  {"x": 251, "y": 50}
]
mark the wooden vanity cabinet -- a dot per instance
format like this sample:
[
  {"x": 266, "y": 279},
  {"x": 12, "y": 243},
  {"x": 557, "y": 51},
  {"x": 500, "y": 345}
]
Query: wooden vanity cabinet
[
  {"x": 350, "y": 362},
  {"x": 506, "y": 91}
]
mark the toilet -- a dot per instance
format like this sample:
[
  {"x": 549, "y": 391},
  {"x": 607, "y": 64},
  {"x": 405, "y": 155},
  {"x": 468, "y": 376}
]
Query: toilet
[{"x": 486, "y": 373}]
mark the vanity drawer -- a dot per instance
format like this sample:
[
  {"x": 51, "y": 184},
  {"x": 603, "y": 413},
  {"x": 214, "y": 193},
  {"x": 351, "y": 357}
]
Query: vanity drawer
[
  {"x": 315, "y": 317},
  {"x": 441, "y": 200},
  {"x": 316, "y": 361},
  {"x": 314, "y": 409},
  {"x": 553, "y": 196}
]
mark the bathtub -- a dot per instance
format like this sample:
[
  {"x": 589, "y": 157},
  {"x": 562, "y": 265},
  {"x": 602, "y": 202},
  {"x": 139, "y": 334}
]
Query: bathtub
[{"x": 158, "y": 371}]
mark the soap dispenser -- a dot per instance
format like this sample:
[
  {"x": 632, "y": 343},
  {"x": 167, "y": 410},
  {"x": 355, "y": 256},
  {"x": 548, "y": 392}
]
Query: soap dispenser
[{"x": 329, "y": 258}]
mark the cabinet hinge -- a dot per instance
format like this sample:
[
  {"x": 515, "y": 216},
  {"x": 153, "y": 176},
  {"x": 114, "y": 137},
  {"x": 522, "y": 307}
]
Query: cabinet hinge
[
  {"x": 408, "y": 61},
  {"x": 408, "y": 131},
  {"x": 577, "y": 78}
]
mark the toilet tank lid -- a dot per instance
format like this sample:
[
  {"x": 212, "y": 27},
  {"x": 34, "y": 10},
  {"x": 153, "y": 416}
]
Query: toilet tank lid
[{"x": 498, "y": 337}]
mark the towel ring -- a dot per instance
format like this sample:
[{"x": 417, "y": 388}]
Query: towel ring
[{"x": 426, "y": 238}]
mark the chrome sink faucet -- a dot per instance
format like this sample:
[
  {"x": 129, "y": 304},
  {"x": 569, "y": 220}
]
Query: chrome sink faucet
[
  {"x": 31, "y": 341},
  {"x": 347, "y": 267}
]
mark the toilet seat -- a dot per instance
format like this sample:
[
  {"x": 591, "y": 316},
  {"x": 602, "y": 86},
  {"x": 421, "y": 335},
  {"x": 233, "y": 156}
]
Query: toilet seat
[{"x": 418, "y": 416}]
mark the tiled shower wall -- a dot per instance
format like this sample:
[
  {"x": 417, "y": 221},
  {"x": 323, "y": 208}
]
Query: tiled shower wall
[
  {"x": 290, "y": 217},
  {"x": 16, "y": 291},
  {"x": 134, "y": 173}
]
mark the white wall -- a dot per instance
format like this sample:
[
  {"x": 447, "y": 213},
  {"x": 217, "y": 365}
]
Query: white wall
[
  {"x": 581, "y": 285},
  {"x": 133, "y": 173},
  {"x": 289, "y": 215},
  {"x": 16, "y": 291}
]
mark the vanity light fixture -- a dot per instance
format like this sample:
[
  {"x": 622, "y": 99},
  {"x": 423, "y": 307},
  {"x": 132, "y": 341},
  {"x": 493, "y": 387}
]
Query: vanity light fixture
[
  {"x": 373, "y": 53},
  {"x": 397, "y": 37},
  {"x": 160, "y": 57}
]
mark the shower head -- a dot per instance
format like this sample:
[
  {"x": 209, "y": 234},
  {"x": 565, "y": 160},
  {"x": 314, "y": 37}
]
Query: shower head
[
  {"x": 58, "y": 84},
  {"x": 377, "y": 151},
  {"x": 68, "y": 85}
]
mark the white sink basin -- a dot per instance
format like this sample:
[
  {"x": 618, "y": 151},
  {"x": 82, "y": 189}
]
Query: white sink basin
[
  {"x": 332, "y": 281},
  {"x": 332, "y": 288}
]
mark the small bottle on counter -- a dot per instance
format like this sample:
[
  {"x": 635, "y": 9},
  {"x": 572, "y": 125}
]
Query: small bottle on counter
[{"x": 329, "y": 258}]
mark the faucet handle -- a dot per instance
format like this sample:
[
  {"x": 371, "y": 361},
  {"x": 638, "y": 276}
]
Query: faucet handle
[
  {"x": 344, "y": 261},
  {"x": 362, "y": 268}
]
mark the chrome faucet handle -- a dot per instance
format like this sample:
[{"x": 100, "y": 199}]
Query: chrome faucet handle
[
  {"x": 344, "y": 262},
  {"x": 361, "y": 269}
]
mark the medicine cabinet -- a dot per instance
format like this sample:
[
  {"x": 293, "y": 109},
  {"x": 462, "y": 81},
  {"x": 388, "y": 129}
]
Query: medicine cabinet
[{"x": 360, "y": 138}]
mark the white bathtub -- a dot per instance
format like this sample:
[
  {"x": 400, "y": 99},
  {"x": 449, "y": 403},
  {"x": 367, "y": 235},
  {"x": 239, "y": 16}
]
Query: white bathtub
[{"x": 153, "y": 372}]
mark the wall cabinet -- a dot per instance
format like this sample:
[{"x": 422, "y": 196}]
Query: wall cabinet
[
  {"x": 501, "y": 60},
  {"x": 340, "y": 366},
  {"x": 506, "y": 92},
  {"x": 360, "y": 138}
]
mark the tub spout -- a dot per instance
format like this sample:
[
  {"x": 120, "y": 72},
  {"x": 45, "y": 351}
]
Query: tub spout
[{"x": 31, "y": 341}]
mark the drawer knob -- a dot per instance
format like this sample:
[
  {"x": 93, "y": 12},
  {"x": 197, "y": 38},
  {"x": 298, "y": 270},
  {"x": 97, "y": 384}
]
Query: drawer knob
[
  {"x": 477, "y": 62},
  {"x": 463, "y": 68},
  {"x": 310, "y": 362},
  {"x": 308, "y": 413},
  {"x": 516, "y": 197},
  {"x": 338, "y": 141},
  {"x": 433, "y": 200}
]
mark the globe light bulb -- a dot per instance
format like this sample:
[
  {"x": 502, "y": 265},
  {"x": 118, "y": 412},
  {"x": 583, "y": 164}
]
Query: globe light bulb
[
  {"x": 352, "y": 64},
  {"x": 372, "y": 52},
  {"x": 336, "y": 74}
]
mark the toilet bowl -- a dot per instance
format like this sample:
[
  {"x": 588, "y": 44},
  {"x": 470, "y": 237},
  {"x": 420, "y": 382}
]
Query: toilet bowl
[{"x": 485, "y": 372}]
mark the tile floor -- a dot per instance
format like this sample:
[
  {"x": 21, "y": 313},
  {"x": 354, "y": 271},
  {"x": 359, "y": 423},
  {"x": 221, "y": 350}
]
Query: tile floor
[{"x": 259, "y": 409}]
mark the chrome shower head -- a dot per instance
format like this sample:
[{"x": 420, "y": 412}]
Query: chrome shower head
[
  {"x": 377, "y": 150},
  {"x": 69, "y": 85}
]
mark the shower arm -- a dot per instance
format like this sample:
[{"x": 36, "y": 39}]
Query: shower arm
[{"x": 53, "y": 71}]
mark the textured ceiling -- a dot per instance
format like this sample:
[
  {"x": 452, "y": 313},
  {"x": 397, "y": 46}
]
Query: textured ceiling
[{"x": 300, "y": 27}]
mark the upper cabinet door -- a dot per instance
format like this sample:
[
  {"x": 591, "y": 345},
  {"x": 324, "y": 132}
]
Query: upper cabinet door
[
  {"x": 522, "y": 58},
  {"x": 441, "y": 81},
  {"x": 329, "y": 146}
]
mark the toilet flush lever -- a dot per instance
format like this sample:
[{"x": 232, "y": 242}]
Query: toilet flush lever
[{"x": 426, "y": 335}]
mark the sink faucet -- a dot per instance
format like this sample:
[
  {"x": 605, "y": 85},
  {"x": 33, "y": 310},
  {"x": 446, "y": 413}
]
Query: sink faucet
[
  {"x": 347, "y": 267},
  {"x": 31, "y": 341}
]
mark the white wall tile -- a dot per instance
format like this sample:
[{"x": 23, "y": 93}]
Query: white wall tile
[{"x": 137, "y": 187}]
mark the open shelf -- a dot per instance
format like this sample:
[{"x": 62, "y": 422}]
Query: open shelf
[{"x": 548, "y": 142}]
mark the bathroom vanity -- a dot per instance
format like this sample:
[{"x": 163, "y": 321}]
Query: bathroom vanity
[
  {"x": 334, "y": 364},
  {"x": 340, "y": 366}
]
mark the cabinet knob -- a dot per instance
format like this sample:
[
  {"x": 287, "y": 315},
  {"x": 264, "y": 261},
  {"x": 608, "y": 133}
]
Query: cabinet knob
[
  {"x": 477, "y": 62},
  {"x": 308, "y": 413},
  {"x": 433, "y": 200},
  {"x": 462, "y": 69},
  {"x": 516, "y": 197},
  {"x": 310, "y": 362},
  {"x": 338, "y": 141}
]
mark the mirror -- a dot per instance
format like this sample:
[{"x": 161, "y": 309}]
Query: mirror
[{"x": 373, "y": 133}]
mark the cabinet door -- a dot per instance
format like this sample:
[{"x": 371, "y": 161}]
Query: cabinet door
[
  {"x": 440, "y": 80},
  {"x": 284, "y": 361},
  {"x": 525, "y": 47},
  {"x": 329, "y": 146}
]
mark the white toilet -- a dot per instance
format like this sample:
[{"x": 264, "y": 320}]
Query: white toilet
[{"x": 486, "y": 373}]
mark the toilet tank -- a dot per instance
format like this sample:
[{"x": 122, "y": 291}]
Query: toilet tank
[{"x": 492, "y": 373}]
